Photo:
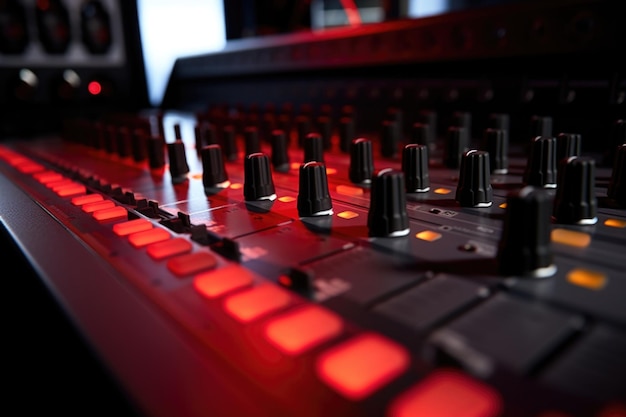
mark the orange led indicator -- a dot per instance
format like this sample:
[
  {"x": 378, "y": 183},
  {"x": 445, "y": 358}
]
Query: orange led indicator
[
  {"x": 131, "y": 226},
  {"x": 168, "y": 248},
  {"x": 110, "y": 213},
  {"x": 86, "y": 199},
  {"x": 447, "y": 393},
  {"x": 236, "y": 186},
  {"x": 620, "y": 224},
  {"x": 348, "y": 215},
  {"x": 502, "y": 206},
  {"x": 442, "y": 191},
  {"x": 256, "y": 302},
  {"x": 286, "y": 199},
  {"x": 571, "y": 238},
  {"x": 331, "y": 171},
  {"x": 585, "y": 278},
  {"x": 192, "y": 263},
  {"x": 362, "y": 365},
  {"x": 98, "y": 205},
  {"x": 145, "y": 238},
  {"x": 212, "y": 284},
  {"x": 349, "y": 190},
  {"x": 428, "y": 235},
  {"x": 298, "y": 331}
]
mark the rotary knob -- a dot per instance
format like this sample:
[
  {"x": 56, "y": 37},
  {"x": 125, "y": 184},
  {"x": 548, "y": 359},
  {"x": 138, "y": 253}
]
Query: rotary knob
[
  {"x": 525, "y": 245},
  {"x": 575, "y": 201},
  {"x": 313, "y": 196},
  {"x": 387, "y": 216},
  {"x": 361, "y": 161},
  {"x": 497, "y": 144},
  {"x": 474, "y": 188},
  {"x": 280, "y": 156},
  {"x": 258, "y": 182},
  {"x": 617, "y": 185},
  {"x": 541, "y": 167},
  {"x": 213, "y": 170},
  {"x": 313, "y": 147},
  {"x": 415, "y": 168},
  {"x": 457, "y": 142},
  {"x": 178, "y": 161}
]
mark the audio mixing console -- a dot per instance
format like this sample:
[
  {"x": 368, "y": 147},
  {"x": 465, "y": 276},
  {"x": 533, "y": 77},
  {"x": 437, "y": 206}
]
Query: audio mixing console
[{"x": 348, "y": 251}]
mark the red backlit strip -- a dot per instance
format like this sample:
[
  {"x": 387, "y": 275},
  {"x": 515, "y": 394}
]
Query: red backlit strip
[
  {"x": 98, "y": 205},
  {"x": 298, "y": 331},
  {"x": 447, "y": 393},
  {"x": 256, "y": 302},
  {"x": 131, "y": 226},
  {"x": 192, "y": 263},
  {"x": 213, "y": 284},
  {"x": 110, "y": 214},
  {"x": 86, "y": 199},
  {"x": 145, "y": 238},
  {"x": 362, "y": 365},
  {"x": 169, "y": 248}
]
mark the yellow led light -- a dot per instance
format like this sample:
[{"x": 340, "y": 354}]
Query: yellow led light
[
  {"x": 592, "y": 280},
  {"x": 620, "y": 224},
  {"x": 236, "y": 186},
  {"x": 286, "y": 199},
  {"x": 443, "y": 191},
  {"x": 331, "y": 171},
  {"x": 502, "y": 206},
  {"x": 348, "y": 215},
  {"x": 197, "y": 176},
  {"x": 348, "y": 190},
  {"x": 571, "y": 238},
  {"x": 295, "y": 165},
  {"x": 428, "y": 235}
]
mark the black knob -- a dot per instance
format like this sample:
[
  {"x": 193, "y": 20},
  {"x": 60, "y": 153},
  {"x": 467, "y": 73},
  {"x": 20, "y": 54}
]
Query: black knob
[
  {"x": 258, "y": 182},
  {"x": 361, "y": 161},
  {"x": 14, "y": 30},
  {"x": 500, "y": 121},
  {"x": 178, "y": 133},
  {"x": 124, "y": 142},
  {"x": 303, "y": 128},
  {"x": 325, "y": 128},
  {"x": 313, "y": 196},
  {"x": 462, "y": 119},
  {"x": 346, "y": 133},
  {"x": 251, "y": 140},
  {"x": 229, "y": 143},
  {"x": 313, "y": 147},
  {"x": 456, "y": 143},
  {"x": 525, "y": 246},
  {"x": 474, "y": 188},
  {"x": 280, "y": 155},
  {"x": 205, "y": 134},
  {"x": 177, "y": 161},
  {"x": 567, "y": 144},
  {"x": 387, "y": 216},
  {"x": 497, "y": 144},
  {"x": 53, "y": 26},
  {"x": 95, "y": 25},
  {"x": 421, "y": 134},
  {"x": 156, "y": 152},
  {"x": 429, "y": 118},
  {"x": 139, "y": 144},
  {"x": 541, "y": 168},
  {"x": 540, "y": 126},
  {"x": 213, "y": 170},
  {"x": 575, "y": 201},
  {"x": 617, "y": 185},
  {"x": 415, "y": 168},
  {"x": 390, "y": 138}
]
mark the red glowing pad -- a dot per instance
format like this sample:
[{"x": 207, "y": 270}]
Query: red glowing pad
[
  {"x": 110, "y": 213},
  {"x": 169, "y": 248},
  {"x": 212, "y": 284},
  {"x": 86, "y": 199},
  {"x": 298, "y": 331},
  {"x": 362, "y": 365},
  {"x": 448, "y": 393},
  {"x": 256, "y": 302},
  {"x": 145, "y": 238},
  {"x": 97, "y": 205},
  {"x": 132, "y": 226},
  {"x": 190, "y": 264}
]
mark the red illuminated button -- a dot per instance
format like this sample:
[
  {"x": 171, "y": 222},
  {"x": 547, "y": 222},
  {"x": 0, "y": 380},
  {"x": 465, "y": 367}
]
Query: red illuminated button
[
  {"x": 110, "y": 214},
  {"x": 447, "y": 393},
  {"x": 131, "y": 226},
  {"x": 86, "y": 199},
  {"x": 362, "y": 365},
  {"x": 59, "y": 183},
  {"x": 256, "y": 302},
  {"x": 192, "y": 263},
  {"x": 212, "y": 284},
  {"x": 98, "y": 205},
  {"x": 48, "y": 176},
  {"x": 29, "y": 167},
  {"x": 145, "y": 238},
  {"x": 69, "y": 190},
  {"x": 298, "y": 331},
  {"x": 169, "y": 248}
]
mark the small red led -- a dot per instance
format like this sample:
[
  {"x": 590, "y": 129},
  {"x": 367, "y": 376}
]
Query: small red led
[{"x": 94, "y": 88}]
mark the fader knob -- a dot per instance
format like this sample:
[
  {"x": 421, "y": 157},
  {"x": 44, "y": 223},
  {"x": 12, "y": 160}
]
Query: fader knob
[
  {"x": 178, "y": 161},
  {"x": 474, "y": 189},
  {"x": 280, "y": 155},
  {"x": 457, "y": 142},
  {"x": 213, "y": 170},
  {"x": 258, "y": 182},
  {"x": 617, "y": 186},
  {"x": 387, "y": 216},
  {"x": 575, "y": 201},
  {"x": 415, "y": 168},
  {"x": 541, "y": 167},
  {"x": 313, "y": 196},
  {"x": 497, "y": 144},
  {"x": 361, "y": 161},
  {"x": 313, "y": 148},
  {"x": 525, "y": 246}
]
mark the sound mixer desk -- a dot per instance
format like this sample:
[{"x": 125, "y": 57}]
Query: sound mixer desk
[{"x": 267, "y": 281}]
